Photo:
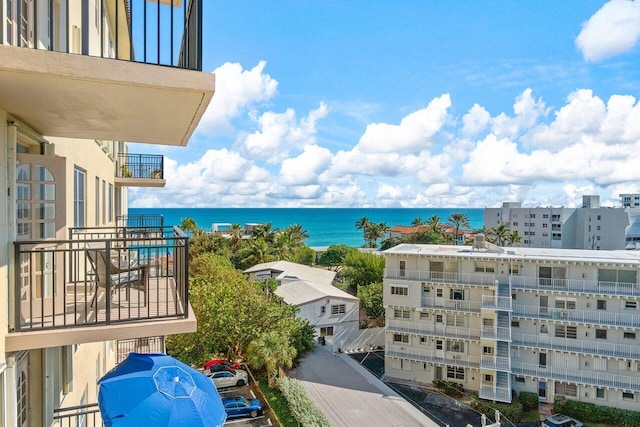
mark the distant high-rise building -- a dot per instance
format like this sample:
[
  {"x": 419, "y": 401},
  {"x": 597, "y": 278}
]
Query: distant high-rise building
[{"x": 630, "y": 200}]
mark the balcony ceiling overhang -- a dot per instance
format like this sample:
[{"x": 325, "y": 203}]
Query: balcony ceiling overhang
[{"x": 78, "y": 96}]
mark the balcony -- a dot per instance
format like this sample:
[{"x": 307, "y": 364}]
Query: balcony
[
  {"x": 441, "y": 330},
  {"x": 496, "y": 333},
  {"x": 496, "y": 363},
  {"x": 140, "y": 170},
  {"x": 441, "y": 357},
  {"x": 451, "y": 304},
  {"x": 101, "y": 284},
  {"x": 436, "y": 277},
  {"x": 591, "y": 378},
  {"x": 83, "y": 415},
  {"x": 577, "y": 346},
  {"x": 591, "y": 317},
  {"x": 578, "y": 286},
  {"x": 140, "y": 220},
  {"x": 489, "y": 392},
  {"x": 130, "y": 70},
  {"x": 494, "y": 302},
  {"x": 144, "y": 345}
]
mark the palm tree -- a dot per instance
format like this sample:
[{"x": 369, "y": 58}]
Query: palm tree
[
  {"x": 257, "y": 251},
  {"x": 435, "y": 224},
  {"x": 501, "y": 234},
  {"x": 235, "y": 235},
  {"x": 283, "y": 247},
  {"x": 272, "y": 351},
  {"x": 189, "y": 225},
  {"x": 488, "y": 233},
  {"x": 513, "y": 237},
  {"x": 458, "y": 220},
  {"x": 417, "y": 221},
  {"x": 296, "y": 235},
  {"x": 266, "y": 232},
  {"x": 363, "y": 224}
]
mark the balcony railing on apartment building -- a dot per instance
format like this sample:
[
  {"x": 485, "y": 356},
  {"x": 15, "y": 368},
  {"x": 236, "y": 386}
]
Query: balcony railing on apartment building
[
  {"x": 573, "y": 285},
  {"x": 581, "y": 316},
  {"x": 402, "y": 326},
  {"x": 451, "y": 304},
  {"x": 140, "y": 220},
  {"x": 502, "y": 394},
  {"x": 496, "y": 333},
  {"x": 433, "y": 356},
  {"x": 496, "y": 363},
  {"x": 82, "y": 415},
  {"x": 145, "y": 345},
  {"x": 592, "y": 378},
  {"x": 140, "y": 166},
  {"x": 432, "y": 276},
  {"x": 101, "y": 276},
  {"x": 495, "y": 302},
  {"x": 161, "y": 32},
  {"x": 577, "y": 346}
]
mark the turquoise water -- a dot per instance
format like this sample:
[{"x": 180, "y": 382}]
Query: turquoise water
[{"x": 325, "y": 226}]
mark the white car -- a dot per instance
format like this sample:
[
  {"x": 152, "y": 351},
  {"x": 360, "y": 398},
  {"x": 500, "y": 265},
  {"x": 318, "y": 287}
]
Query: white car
[
  {"x": 229, "y": 378},
  {"x": 559, "y": 420}
]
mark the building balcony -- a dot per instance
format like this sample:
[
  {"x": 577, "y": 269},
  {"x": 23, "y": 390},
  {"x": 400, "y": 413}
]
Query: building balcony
[
  {"x": 401, "y": 326},
  {"x": 140, "y": 220},
  {"x": 451, "y": 304},
  {"x": 146, "y": 345},
  {"x": 102, "y": 284},
  {"x": 596, "y": 348},
  {"x": 490, "y": 392},
  {"x": 591, "y": 378},
  {"x": 435, "y": 277},
  {"x": 134, "y": 75},
  {"x": 140, "y": 170},
  {"x": 83, "y": 415},
  {"x": 496, "y": 333},
  {"x": 494, "y": 302},
  {"x": 496, "y": 363},
  {"x": 431, "y": 356},
  {"x": 590, "y": 287},
  {"x": 596, "y": 317}
]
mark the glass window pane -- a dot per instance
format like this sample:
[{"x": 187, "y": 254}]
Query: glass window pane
[
  {"x": 42, "y": 174},
  {"x": 47, "y": 230},
  {"x": 24, "y": 211},
  {"x": 46, "y": 192},
  {"x": 23, "y": 192},
  {"x": 23, "y": 172},
  {"x": 627, "y": 276},
  {"x": 24, "y": 231},
  {"x": 46, "y": 211},
  {"x": 606, "y": 275}
]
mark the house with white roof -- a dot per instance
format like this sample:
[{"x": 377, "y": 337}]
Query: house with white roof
[{"x": 333, "y": 312}]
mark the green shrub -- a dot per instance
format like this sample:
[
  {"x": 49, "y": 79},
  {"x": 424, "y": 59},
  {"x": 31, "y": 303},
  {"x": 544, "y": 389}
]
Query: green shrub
[
  {"x": 449, "y": 388},
  {"x": 278, "y": 403},
  {"x": 302, "y": 408},
  {"x": 529, "y": 400},
  {"x": 511, "y": 411},
  {"x": 588, "y": 412}
]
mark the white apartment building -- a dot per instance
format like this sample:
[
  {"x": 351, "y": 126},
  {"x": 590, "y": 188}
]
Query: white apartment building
[
  {"x": 557, "y": 322},
  {"x": 588, "y": 227},
  {"x": 630, "y": 200},
  {"x": 80, "y": 285}
]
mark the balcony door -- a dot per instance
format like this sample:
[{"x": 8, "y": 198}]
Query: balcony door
[
  {"x": 22, "y": 390},
  {"x": 20, "y": 23}
]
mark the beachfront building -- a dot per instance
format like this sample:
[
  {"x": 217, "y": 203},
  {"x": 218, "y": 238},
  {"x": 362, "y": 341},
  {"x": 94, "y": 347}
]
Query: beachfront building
[
  {"x": 459, "y": 236},
  {"x": 333, "y": 312},
  {"x": 630, "y": 200},
  {"x": 588, "y": 227},
  {"x": 78, "y": 292},
  {"x": 556, "y": 322}
]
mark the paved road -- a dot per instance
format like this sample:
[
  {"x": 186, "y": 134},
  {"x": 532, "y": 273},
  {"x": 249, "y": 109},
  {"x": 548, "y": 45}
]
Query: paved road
[{"x": 351, "y": 396}]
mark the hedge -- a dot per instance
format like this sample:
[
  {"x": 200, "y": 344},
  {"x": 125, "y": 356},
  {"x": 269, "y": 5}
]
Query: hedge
[
  {"x": 529, "y": 400},
  {"x": 449, "y": 388},
  {"x": 589, "y": 412},
  {"x": 511, "y": 411},
  {"x": 302, "y": 408}
]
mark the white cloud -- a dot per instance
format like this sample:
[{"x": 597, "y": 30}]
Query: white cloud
[
  {"x": 305, "y": 169},
  {"x": 475, "y": 121},
  {"x": 236, "y": 90},
  {"x": 612, "y": 30}
]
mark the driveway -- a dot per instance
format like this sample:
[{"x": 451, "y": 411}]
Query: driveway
[{"x": 349, "y": 395}]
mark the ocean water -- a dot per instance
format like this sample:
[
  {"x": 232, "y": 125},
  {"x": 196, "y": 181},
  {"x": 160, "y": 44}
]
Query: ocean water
[{"x": 325, "y": 226}]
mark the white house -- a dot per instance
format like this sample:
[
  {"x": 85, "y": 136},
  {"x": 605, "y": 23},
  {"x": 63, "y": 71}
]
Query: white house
[{"x": 333, "y": 312}]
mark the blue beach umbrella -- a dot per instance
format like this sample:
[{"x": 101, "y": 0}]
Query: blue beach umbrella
[{"x": 157, "y": 390}]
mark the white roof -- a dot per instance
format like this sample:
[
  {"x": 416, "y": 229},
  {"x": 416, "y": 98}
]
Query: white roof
[
  {"x": 519, "y": 253},
  {"x": 291, "y": 271},
  {"x": 303, "y": 292}
]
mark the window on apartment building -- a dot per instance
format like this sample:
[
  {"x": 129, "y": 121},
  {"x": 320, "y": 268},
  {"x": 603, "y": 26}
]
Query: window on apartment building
[
  {"x": 601, "y": 393},
  {"x": 104, "y": 201},
  {"x": 515, "y": 323},
  {"x": 631, "y": 305},
  {"x": 35, "y": 200},
  {"x": 488, "y": 378},
  {"x": 515, "y": 223},
  {"x": 97, "y": 202},
  {"x": 487, "y": 350},
  {"x": 455, "y": 373},
  {"x": 439, "y": 344},
  {"x": 110, "y": 203},
  {"x": 423, "y": 340},
  {"x": 338, "y": 309},
  {"x": 599, "y": 217},
  {"x": 566, "y": 303},
  {"x": 598, "y": 228},
  {"x": 455, "y": 346},
  {"x": 424, "y": 315},
  {"x": 601, "y": 304},
  {"x": 545, "y": 216},
  {"x": 532, "y": 215},
  {"x": 439, "y": 318},
  {"x": 79, "y": 183},
  {"x": 629, "y": 335},
  {"x": 485, "y": 267},
  {"x": 456, "y": 294},
  {"x": 566, "y": 389},
  {"x": 545, "y": 225},
  {"x": 400, "y": 290},
  {"x": 403, "y": 268},
  {"x": 455, "y": 320},
  {"x": 401, "y": 314},
  {"x": 570, "y": 332},
  {"x": 543, "y": 328},
  {"x": 326, "y": 331},
  {"x": 599, "y": 364},
  {"x": 401, "y": 338},
  {"x": 615, "y": 275},
  {"x": 323, "y": 310},
  {"x": 601, "y": 334},
  {"x": 514, "y": 268},
  {"x": 527, "y": 241},
  {"x": 439, "y": 293},
  {"x": 520, "y": 379},
  {"x": 547, "y": 274},
  {"x": 627, "y": 395}
]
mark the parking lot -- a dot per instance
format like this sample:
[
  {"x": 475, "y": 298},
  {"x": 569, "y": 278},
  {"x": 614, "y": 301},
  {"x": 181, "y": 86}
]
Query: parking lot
[{"x": 248, "y": 392}]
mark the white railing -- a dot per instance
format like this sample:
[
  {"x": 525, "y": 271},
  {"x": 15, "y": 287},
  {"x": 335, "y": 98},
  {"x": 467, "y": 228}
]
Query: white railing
[
  {"x": 577, "y": 346},
  {"x": 574, "y": 285},
  {"x": 576, "y": 376},
  {"x": 496, "y": 363},
  {"x": 593, "y": 316},
  {"x": 482, "y": 279},
  {"x": 441, "y": 330},
  {"x": 496, "y": 333},
  {"x": 495, "y": 302},
  {"x": 502, "y": 394},
  {"x": 451, "y": 304},
  {"x": 437, "y": 356}
]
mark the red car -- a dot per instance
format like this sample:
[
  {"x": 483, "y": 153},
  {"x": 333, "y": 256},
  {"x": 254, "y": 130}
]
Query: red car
[{"x": 225, "y": 364}]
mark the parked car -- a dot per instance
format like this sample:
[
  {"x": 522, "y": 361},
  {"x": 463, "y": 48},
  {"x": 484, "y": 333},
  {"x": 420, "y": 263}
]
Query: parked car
[
  {"x": 238, "y": 406},
  {"x": 224, "y": 366},
  {"x": 214, "y": 362},
  {"x": 559, "y": 420},
  {"x": 229, "y": 378}
]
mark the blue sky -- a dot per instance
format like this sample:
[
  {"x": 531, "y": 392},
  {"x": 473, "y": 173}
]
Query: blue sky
[{"x": 412, "y": 104}]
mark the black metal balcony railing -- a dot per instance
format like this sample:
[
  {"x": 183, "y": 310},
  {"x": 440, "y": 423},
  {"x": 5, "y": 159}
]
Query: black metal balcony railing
[
  {"x": 140, "y": 220},
  {"x": 140, "y": 166},
  {"x": 83, "y": 415},
  {"x": 101, "y": 276},
  {"x": 161, "y": 32},
  {"x": 139, "y": 345}
]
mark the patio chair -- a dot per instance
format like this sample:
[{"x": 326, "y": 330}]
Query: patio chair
[{"x": 117, "y": 277}]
